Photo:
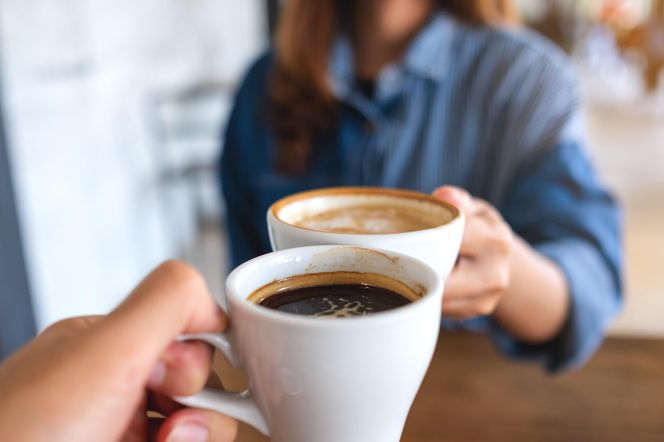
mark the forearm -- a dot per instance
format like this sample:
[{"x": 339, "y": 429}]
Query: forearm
[{"x": 536, "y": 302}]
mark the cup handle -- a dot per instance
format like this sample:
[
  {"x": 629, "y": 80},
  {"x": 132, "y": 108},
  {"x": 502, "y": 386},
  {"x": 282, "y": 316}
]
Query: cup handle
[{"x": 239, "y": 405}]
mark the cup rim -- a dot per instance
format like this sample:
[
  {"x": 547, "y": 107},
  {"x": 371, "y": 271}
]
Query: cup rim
[
  {"x": 276, "y": 207},
  {"x": 238, "y": 301}
]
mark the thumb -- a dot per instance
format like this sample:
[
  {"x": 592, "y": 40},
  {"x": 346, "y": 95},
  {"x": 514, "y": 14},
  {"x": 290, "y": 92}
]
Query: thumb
[{"x": 456, "y": 196}]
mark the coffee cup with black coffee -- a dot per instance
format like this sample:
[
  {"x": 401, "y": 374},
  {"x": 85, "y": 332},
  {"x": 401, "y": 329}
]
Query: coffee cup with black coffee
[
  {"x": 335, "y": 341},
  {"x": 403, "y": 221}
]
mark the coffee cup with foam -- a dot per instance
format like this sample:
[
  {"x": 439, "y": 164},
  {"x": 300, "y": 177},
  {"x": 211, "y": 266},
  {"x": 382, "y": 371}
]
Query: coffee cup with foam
[{"x": 402, "y": 221}]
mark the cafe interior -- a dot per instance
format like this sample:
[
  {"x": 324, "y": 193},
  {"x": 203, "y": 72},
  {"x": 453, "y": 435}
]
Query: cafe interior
[{"x": 111, "y": 128}]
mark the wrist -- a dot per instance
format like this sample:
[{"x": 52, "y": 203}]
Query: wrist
[
  {"x": 516, "y": 256},
  {"x": 535, "y": 304}
]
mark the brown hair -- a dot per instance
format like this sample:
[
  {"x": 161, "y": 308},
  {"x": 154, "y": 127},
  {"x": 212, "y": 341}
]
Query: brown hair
[{"x": 301, "y": 103}]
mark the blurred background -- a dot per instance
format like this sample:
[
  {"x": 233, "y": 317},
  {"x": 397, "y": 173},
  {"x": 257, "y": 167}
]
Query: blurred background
[{"x": 111, "y": 121}]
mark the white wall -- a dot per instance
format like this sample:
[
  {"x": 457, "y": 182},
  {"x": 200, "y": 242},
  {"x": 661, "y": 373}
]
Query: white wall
[{"x": 78, "y": 77}]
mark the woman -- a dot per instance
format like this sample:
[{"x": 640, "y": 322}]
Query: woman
[{"x": 418, "y": 94}]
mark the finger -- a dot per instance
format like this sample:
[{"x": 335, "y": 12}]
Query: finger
[
  {"x": 164, "y": 405},
  {"x": 462, "y": 282},
  {"x": 472, "y": 278},
  {"x": 480, "y": 218},
  {"x": 191, "y": 424},
  {"x": 476, "y": 233},
  {"x": 485, "y": 232},
  {"x": 456, "y": 196},
  {"x": 456, "y": 309},
  {"x": 486, "y": 211},
  {"x": 173, "y": 299},
  {"x": 469, "y": 308},
  {"x": 182, "y": 369}
]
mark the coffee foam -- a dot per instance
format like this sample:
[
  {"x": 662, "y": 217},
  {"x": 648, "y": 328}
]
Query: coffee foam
[
  {"x": 365, "y": 213},
  {"x": 348, "y": 309},
  {"x": 331, "y": 278}
]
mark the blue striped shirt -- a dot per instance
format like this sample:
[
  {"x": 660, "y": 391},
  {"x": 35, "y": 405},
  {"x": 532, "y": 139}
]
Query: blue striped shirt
[{"x": 494, "y": 111}]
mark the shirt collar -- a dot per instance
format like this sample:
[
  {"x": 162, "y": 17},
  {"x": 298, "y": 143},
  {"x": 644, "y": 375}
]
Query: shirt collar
[
  {"x": 428, "y": 56},
  {"x": 430, "y": 52}
]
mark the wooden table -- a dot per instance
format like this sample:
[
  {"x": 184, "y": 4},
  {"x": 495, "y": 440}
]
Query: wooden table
[{"x": 472, "y": 394}]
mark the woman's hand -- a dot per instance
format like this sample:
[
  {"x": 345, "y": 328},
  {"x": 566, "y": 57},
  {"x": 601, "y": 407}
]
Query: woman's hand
[
  {"x": 499, "y": 274},
  {"x": 94, "y": 378},
  {"x": 482, "y": 274}
]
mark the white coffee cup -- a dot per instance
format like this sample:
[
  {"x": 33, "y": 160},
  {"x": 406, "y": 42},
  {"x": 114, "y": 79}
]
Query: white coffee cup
[
  {"x": 326, "y": 380},
  {"x": 437, "y": 246}
]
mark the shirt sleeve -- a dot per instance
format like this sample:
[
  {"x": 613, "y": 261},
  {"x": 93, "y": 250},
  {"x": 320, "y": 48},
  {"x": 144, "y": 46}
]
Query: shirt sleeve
[
  {"x": 557, "y": 204},
  {"x": 560, "y": 208},
  {"x": 234, "y": 176},
  {"x": 552, "y": 197}
]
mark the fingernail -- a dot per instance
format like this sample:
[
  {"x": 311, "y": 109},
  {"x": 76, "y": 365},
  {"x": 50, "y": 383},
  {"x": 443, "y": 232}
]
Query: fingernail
[
  {"x": 188, "y": 432},
  {"x": 157, "y": 375}
]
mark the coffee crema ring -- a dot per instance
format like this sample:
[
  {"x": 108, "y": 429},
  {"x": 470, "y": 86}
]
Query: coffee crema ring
[
  {"x": 363, "y": 211},
  {"x": 334, "y": 295}
]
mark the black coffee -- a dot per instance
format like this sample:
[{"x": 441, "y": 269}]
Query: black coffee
[{"x": 335, "y": 300}]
